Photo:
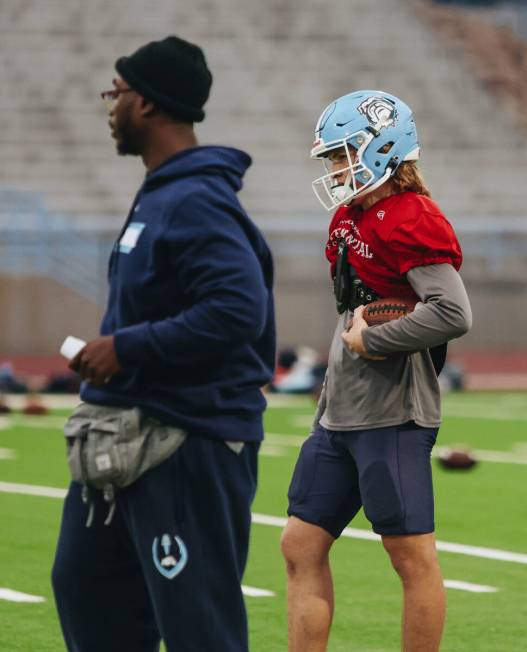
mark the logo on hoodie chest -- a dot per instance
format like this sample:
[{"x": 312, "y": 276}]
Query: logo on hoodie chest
[{"x": 130, "y": 237}]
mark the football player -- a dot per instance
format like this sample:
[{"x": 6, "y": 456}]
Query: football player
[{"x": 379, "y": 412}]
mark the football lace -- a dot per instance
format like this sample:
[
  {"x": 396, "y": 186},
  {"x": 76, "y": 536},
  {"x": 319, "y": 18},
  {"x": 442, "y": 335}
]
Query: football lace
[{"x": 388, "y": 307}]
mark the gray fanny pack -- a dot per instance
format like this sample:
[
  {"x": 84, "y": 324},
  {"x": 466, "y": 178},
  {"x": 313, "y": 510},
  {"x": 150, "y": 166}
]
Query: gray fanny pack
[{"x": 108, "y": 448}]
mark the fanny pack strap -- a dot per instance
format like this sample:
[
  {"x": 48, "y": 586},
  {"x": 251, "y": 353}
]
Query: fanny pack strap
[{"x": 86, "y": 496}]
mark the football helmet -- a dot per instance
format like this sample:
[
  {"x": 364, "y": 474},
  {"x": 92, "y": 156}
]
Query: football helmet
[{"x": 377, "y": 133}]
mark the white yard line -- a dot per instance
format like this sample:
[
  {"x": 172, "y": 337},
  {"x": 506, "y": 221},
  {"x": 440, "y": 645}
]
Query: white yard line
[
  {"x": 468, "y": 586},
  {"x": 497, "y": 457},
  {"x": 484, "y": 553},
  {"x": 280, "y": 440},
  {"x": 52, "y": 401},
  {"x": 7, "y": 454},
  {"x": 273, "y": 445},
  {"x": 444, "y": 546},
  {"x": 483, "y": 400},
  {"x": 500, "y": 408},
  {"x": 302, "y": 421},
  {"x": 40, "y": 421},
  {"x": 48, "y": 422},
  {"x": 507, "y": 408},
  {"x": 495, "y": 411},
  {"x": 253, "y": 592},
  {"x": 32, "y": 490},
  {"x": 290, "y": 401},
  {"x": 279, "y": 521},
  {"x": 477, "y": 413},
  {"x": 270, "y": 450},
  {"x": 16, "y": 596}
]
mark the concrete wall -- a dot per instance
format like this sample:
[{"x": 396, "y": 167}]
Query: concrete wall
[{"x": 36, "y": 314}]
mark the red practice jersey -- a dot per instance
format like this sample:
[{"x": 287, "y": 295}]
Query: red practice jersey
[{"x": 396, "y": 234}]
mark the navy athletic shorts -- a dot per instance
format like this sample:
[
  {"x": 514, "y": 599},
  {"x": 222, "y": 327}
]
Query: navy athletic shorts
[
  {"x": 169, "y": 565},
  {"x": 385, "y": 470}
]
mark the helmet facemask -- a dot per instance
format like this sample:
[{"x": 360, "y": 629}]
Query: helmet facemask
[{"x": 360, "y": 180}]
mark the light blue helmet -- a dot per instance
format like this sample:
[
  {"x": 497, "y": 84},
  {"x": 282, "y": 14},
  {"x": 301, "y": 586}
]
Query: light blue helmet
[{"x": 378, "y": 133}]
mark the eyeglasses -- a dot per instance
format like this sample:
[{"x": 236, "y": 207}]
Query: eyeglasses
[{"x": 110, "y": 97}]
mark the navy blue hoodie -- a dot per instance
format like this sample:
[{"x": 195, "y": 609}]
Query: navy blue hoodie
[{"x": 190, "y": 302}]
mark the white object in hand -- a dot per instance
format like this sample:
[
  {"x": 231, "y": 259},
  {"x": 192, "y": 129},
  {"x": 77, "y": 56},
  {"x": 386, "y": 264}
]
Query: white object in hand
[{"x": 71, "y": 346}]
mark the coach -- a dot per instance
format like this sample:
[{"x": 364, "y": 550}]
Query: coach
[{"x": 188, "y": 339}]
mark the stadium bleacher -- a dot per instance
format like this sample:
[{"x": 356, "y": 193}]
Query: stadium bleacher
[{"x": 275, "y": 68}]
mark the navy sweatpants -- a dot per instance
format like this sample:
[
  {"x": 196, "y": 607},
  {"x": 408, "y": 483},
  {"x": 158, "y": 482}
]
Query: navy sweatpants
[{"x": 170, "y": 563}]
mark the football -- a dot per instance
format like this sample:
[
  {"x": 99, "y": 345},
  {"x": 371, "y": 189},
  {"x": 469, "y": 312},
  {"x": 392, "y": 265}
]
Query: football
[
  {"x": 456, "y": 458},
  {"x": 384, "y": 310}
]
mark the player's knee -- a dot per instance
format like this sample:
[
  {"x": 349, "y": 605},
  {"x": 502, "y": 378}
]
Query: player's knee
[
  {"x": 405, "y": 567},
  {"x": 304, "y": 546},
  {"x": 411, "y": 563},
  {"x": 290, "y": 545}
]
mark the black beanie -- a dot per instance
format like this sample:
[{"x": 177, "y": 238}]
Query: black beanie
[{"x": 172, "y": 74}]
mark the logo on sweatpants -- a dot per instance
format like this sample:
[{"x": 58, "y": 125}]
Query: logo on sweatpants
[{"x": 170, "y": 555}]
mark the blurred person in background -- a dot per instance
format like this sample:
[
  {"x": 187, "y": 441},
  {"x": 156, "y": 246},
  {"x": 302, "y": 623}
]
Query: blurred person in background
[
  {"x": 379, "y": 411},
  {"x": 9, "y": 383},
  {"x": 188, "y": 338}
]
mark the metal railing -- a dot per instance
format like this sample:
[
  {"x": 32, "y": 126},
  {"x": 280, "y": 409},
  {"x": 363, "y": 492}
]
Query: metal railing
[
  {"x": 75, "y": 251},
  {"x": 72, "y": 251}
]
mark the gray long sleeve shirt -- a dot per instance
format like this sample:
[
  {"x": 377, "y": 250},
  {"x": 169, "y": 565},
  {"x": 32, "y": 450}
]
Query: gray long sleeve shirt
[{"x": 364, "y": 394}]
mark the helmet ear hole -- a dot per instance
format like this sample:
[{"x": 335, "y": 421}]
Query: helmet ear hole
[{"x": 385, "y": 148}]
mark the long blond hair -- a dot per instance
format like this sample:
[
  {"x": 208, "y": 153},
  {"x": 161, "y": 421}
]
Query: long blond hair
[{"x": 408, "y": 178}]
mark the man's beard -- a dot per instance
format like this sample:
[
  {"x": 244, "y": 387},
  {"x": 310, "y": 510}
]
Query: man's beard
[{"x": 126, "y": 142}]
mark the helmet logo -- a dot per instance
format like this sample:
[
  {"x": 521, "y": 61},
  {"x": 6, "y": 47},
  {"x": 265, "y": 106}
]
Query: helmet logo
[{"x": 380, "y": 112}]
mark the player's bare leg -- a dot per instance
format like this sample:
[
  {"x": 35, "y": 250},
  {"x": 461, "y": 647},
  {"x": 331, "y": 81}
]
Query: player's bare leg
[
  {"x": 415, "y": 560},
  {"x": 309, "y": 585}
]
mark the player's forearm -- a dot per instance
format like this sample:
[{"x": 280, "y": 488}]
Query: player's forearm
[{"x": 444, "y": 314}]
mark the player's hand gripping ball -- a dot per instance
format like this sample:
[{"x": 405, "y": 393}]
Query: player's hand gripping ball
[{"x": 384, "y": 310}]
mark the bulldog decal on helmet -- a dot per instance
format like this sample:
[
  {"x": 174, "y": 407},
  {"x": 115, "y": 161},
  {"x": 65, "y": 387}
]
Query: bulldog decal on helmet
[{"x": 379, "y": 111}]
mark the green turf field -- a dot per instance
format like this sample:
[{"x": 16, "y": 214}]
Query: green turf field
[{"x": 485, "y": 507}]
